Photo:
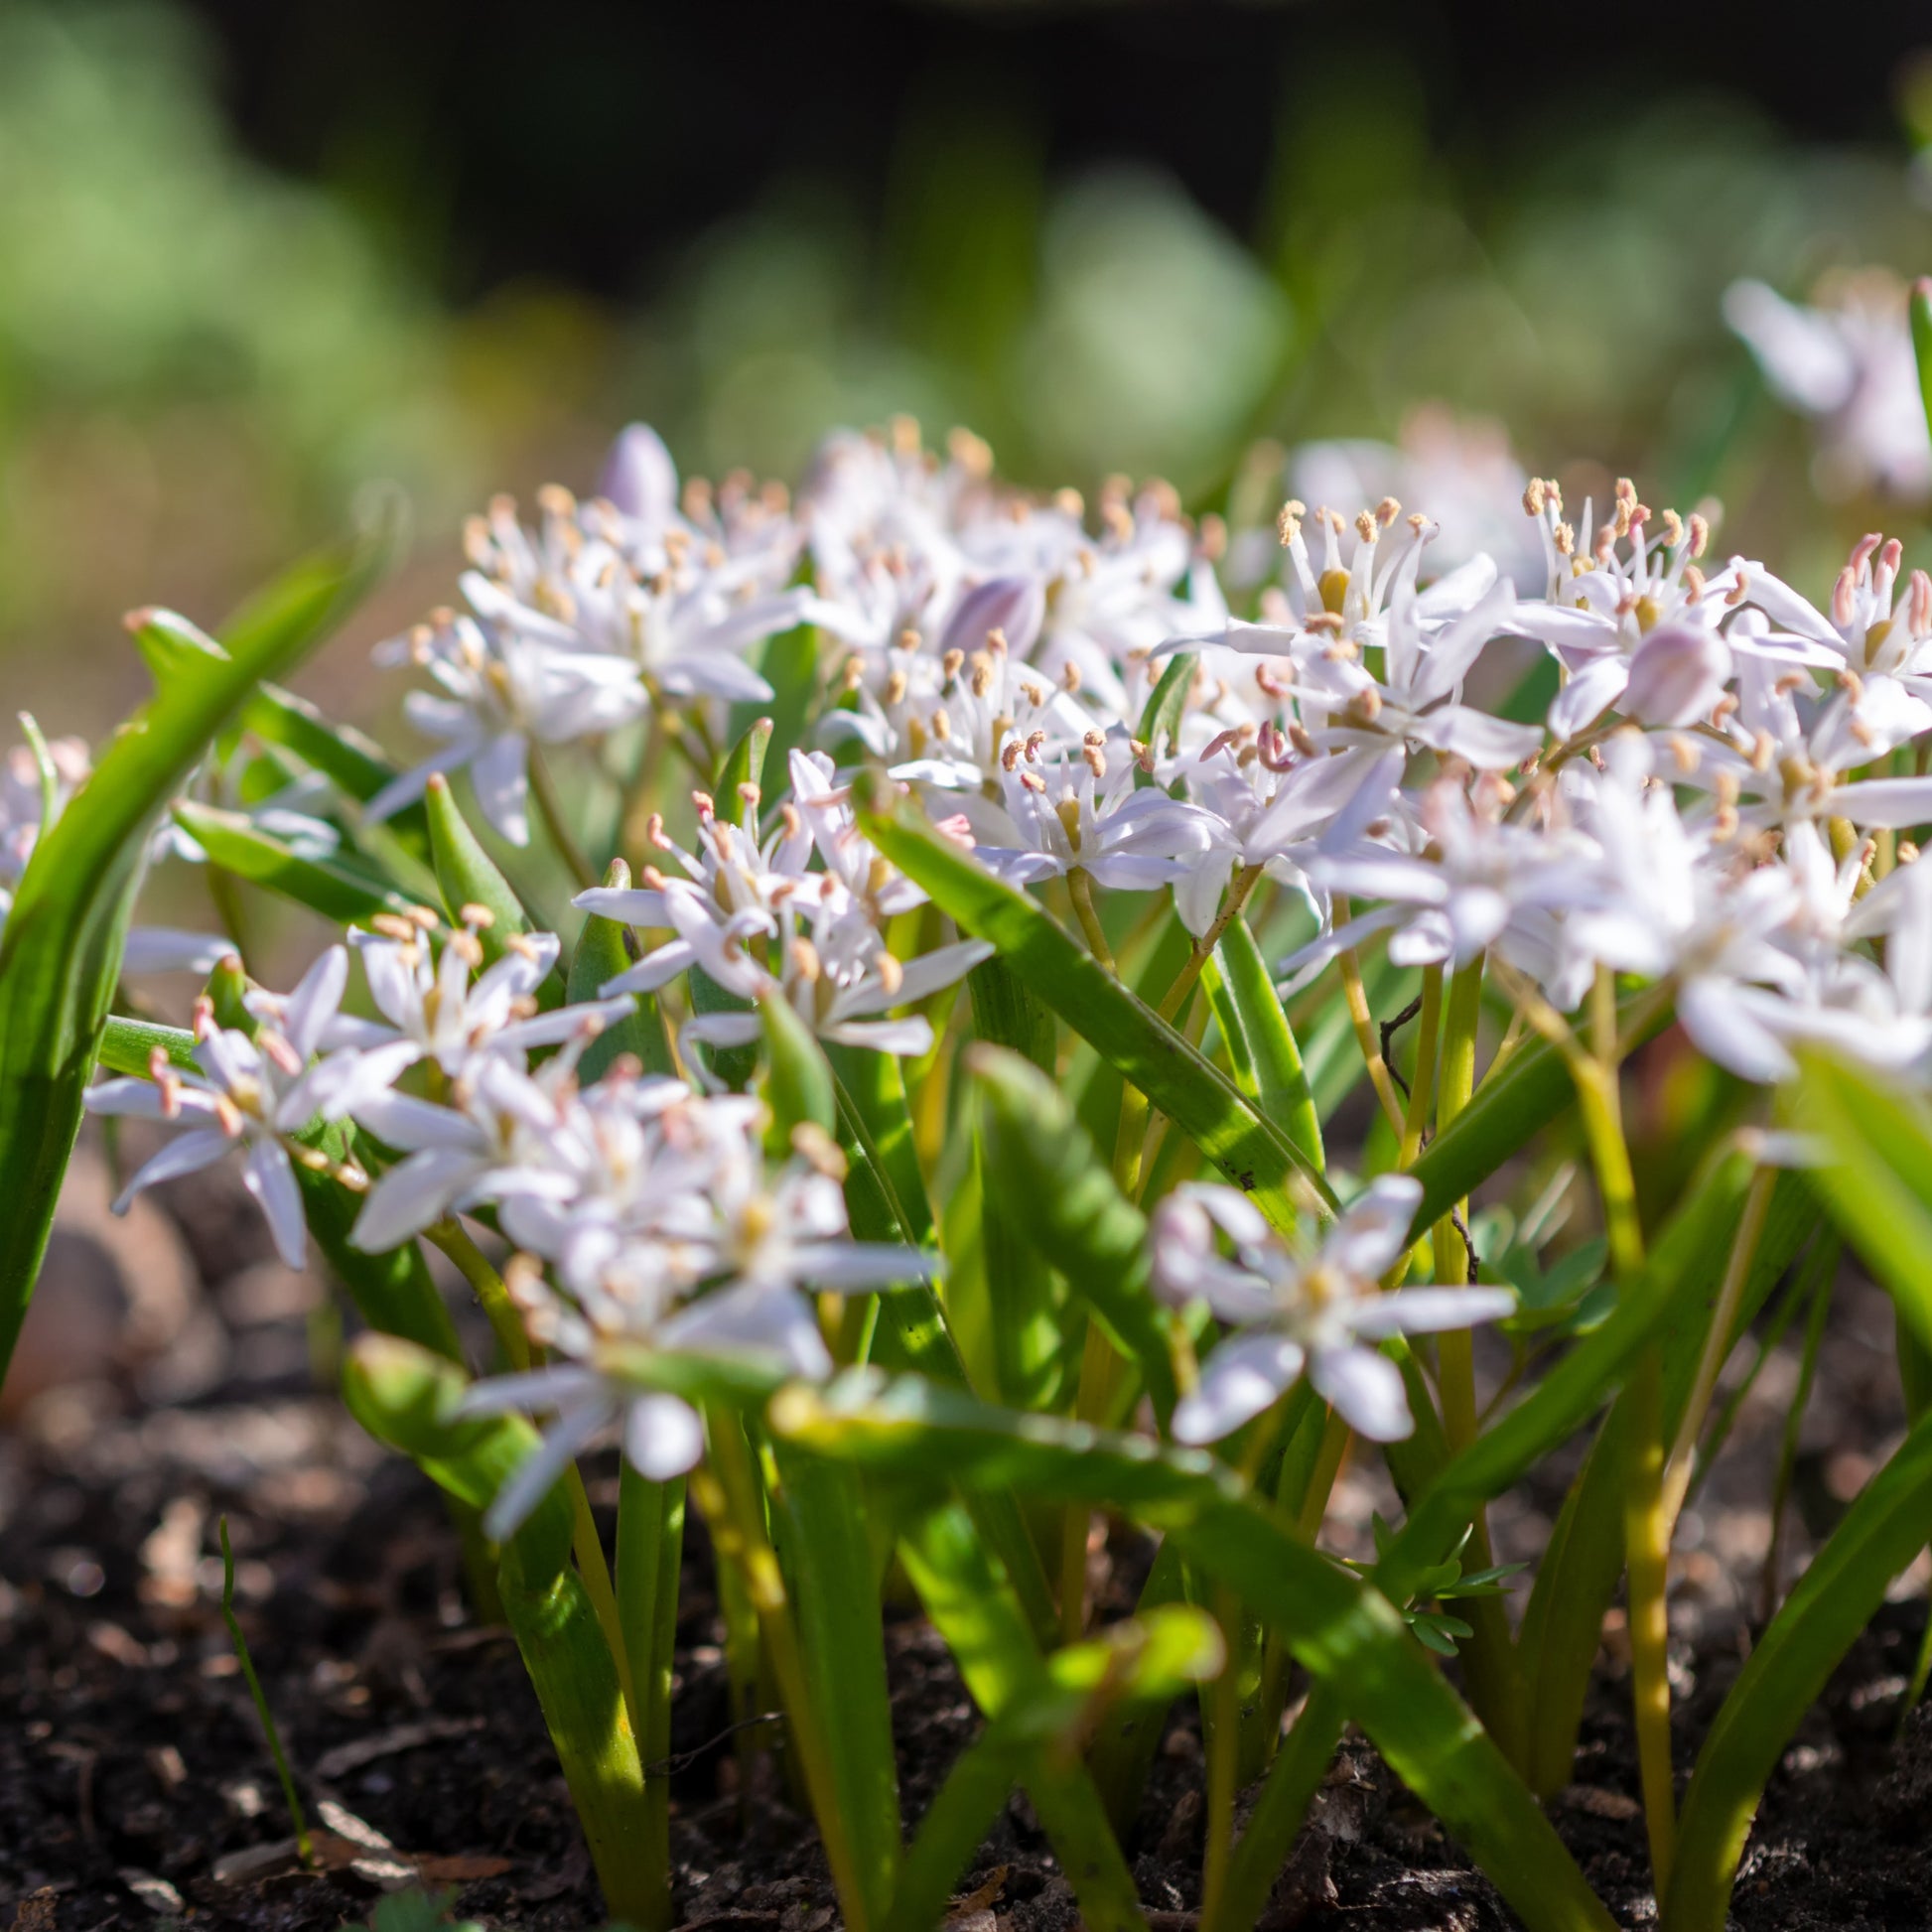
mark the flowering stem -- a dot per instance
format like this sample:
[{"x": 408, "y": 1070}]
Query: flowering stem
[
  {"x": 550, "y": 808},
  {"x": 1204, "y": 948},
  {"x": 1717, "y": 1342},
  {"x": 1646, "y": 1518},
  {"x": 1364, "y": 1024},
  {"x": 1422, "y": 1084},
  {"x": 1080, "y": 889},
  {"x": 1099, "y": 1372}
]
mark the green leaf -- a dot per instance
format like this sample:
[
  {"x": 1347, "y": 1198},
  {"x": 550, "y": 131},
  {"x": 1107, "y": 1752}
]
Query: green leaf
[
  {"x": 601, "y": 952},
  {"x": 340, "y": 753},
  {"x": 1137, "y": 1667},
  {"x": 128, "y": 1046},
  {"x": 466, "y": 875},
  {"x": 61, "y": 950},
  {"x": 1245, "y": 1004},
  {"x": 819, "y": 1524},
  {"x": 1344, "y": 1633},
  {"x": 169, "y": 642},
  {"x": 798, "y": 1085},
  {"x": 1201, "y": 1099},
  {"x": 741, "y": 779},
  {"x": 1921, "y": 311},
  {"x": 1025, "y": 1312},
  {"x": 871, "y": 1088},
  {"x": 1840, "y": 1592},
  {"x": 406, "y": 1397},
  {"x": 1879, "y": 1181},
  {"x": 972, "y": 1605},
  {"x": 237, "y": 844},
  {"x": 1047, "y": 1182},
  {"x": 1166, "y": 704}
]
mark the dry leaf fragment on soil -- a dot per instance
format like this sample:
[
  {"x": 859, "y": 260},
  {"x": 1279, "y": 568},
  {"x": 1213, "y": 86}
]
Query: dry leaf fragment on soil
[
  {"x": 35, "y": 1911},
  {"x": 349, "y": 1843}
]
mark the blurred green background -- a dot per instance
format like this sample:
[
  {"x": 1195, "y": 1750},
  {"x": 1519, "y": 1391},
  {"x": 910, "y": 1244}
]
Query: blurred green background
[{"x": 252, "y": 258}]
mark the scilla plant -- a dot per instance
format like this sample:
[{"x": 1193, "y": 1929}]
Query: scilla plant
[{"x": 931, "y": 1030}]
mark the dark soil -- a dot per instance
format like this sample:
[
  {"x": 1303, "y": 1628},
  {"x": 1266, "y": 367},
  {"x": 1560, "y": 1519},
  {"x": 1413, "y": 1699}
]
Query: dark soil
[{"x": 176, "y": 1373}]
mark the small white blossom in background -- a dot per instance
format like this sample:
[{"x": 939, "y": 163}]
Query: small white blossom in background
[
  {"x": 1847, "y": 363},
  {"x": 1317, "y": 1313}
]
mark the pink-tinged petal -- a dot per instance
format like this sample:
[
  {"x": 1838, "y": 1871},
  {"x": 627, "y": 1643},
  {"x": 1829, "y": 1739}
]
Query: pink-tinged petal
[
  {"x": 127, "y": 1097},
  {"x": 187, "y": 1155},
  {"x": 1242, "y": 1377},
  {"x": 267, "y": 1175},
  {"x": 627, "y": 904},
  {"x": 1723, "y": 1027},
  {"x": 905, "y": 1039},
  {"x": 662, "y": 1437},
  {"x": 639, "y": 476},
  {"x": 1365, "y": 1390},
  {"x": 724, "y": 1028},
  {"x": 1883, "y": 803},
  {"x": 1489, "y": 743},
  {"x": 857, "y": 1267},
  {"x": 1677, "y": 674},
  {"x": 655, "y": 969},
  {"x": 352, "y": 1081},
  {"x": 561, "y": 1386}
]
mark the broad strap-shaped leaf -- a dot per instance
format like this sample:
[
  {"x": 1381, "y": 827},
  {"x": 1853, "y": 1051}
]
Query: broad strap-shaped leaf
[
  {"x": 1344, "y": 1632},
  {"x": 61, "y": 951},
  {"x": 743, "y": 767},
  {"x": 973, "y": 1606},
  {"x": 1138, "y": 1667},
  {"x": 1836, "y": 1598},
  {"x": 341, "y": 893},
  {"x": 1195, "y": 1095},
  {"x": 1252, "y": 1019},
  {"x": 1047, "y": 1180},
  {"x": 1877, "y": 1181},
  {"x": 357, "y": 765}
]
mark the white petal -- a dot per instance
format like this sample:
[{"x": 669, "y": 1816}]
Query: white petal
[
  {"x": 662, "y": 1437},
  {"x": 535, "y": 1475},
  {"x": 187, "y": 1155},
  {"x": 267, "y": 1175},
  {"x": 1430, "y": 1310},
  {"x": 1365, "y": 1390},
  {"x": 1374, "y": 1229},
  {"x": 1238, "y": 1381}
]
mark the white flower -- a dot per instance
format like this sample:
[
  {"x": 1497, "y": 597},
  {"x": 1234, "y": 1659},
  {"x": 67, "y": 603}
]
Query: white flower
[
  {"x": 249, "y": 1094},
  {"x": 1311, "y": 1314},
  {"x": 505, "y": 688},
  {"x": 1847, "y": 363}
]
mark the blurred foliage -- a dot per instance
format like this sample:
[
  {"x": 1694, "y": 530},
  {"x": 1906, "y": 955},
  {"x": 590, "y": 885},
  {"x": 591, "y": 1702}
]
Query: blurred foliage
[{"x": 200, "y": 359}]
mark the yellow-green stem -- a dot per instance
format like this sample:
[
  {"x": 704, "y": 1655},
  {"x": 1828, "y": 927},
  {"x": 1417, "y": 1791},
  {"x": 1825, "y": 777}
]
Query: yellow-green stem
[
  {"x": 1099, "y": 1365},
  {"x": 1646, "y": 1522},
  {"x": 1356, "y": 995},
  {"x": 1717, "y": 1343},
  {"x": 550, "y": 808}
]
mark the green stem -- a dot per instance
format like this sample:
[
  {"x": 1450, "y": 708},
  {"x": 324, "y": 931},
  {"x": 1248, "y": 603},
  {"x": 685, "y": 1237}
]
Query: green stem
[
  {"x": 1646, "y": 1518},
  {"x": 302, "y": 1847},
  {"x": 1717, "y": 1342},
  {"x": 550, "y": 808}
]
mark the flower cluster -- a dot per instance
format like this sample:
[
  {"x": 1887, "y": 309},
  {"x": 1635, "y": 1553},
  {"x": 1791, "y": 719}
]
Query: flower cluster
[{"x": 1711, "y": 791}]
